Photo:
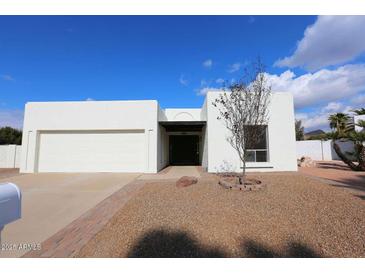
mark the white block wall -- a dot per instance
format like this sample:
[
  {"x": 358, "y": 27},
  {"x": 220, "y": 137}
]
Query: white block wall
[
  {"x": 10, "y": 156},
  {"x": 312, "y": 149},
  {"x": 321, "y": 150}
]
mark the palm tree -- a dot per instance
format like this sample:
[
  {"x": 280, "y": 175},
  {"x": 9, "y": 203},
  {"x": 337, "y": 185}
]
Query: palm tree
[
  {"x": 361, "y": 124},
  {"x": 360, "y": 111},
  {"x": 339, "y": 122}
]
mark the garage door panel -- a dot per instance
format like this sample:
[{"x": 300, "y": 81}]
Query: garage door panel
[{"x": 122, "y": 151}]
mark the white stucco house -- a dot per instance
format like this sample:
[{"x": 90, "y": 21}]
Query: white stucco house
[{"x": 139, "y": 136}]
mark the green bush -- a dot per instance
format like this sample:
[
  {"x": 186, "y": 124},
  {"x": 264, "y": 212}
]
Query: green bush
[{"x": 10, "y": 136}]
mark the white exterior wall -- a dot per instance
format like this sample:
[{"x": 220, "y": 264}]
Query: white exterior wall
[
  {"x": 89, "y": 116},
  {"x": 204, "y": 150},
  {"x": 181, "y": 114},
  {"x": 162, "y": 142},
  {"x": 10, "y": 156},
  {"x": 281, "y": 138},
  {"x": 163, "y": 148}
]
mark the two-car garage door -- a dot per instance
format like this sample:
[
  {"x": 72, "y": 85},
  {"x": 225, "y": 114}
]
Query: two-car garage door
[{"x": 92, "y": 151}]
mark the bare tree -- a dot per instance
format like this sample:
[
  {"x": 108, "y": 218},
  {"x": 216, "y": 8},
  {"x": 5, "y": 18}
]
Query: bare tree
[{"x": 243, "y": 107}]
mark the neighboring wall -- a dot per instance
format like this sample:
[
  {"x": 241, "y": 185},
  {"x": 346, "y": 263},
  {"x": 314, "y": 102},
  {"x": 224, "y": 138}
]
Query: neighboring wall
[
  {"x": 281, "y": 138},
  {"x": 10, "y": 156},
  {"x": 321, "y": 150}
]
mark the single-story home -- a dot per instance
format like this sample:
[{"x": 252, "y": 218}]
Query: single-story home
[{"x": 139, "y": 136}]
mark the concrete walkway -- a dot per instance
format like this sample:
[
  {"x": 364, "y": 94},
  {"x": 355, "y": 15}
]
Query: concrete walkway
[
  {"x": 53, "y": 200},
  {"x": 338, "y": 174},
  {"x": 172, "y": 172}
]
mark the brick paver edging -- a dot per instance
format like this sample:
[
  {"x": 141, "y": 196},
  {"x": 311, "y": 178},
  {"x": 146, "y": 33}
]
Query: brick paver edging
[{"x": 69, "y": 240}]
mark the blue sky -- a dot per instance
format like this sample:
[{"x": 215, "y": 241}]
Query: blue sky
[{"x": 175, "y": 59}]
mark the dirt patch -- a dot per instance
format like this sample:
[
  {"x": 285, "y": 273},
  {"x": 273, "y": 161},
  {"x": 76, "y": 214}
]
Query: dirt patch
[{"x": 293, "y": 216}]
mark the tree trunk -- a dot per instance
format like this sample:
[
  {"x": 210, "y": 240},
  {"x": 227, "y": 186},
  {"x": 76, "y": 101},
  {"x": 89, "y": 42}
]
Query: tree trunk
[
  {"x": 242, "y": 179},
  {"x": 361, "y": 152},
  {"x": 345, "y": 159}
]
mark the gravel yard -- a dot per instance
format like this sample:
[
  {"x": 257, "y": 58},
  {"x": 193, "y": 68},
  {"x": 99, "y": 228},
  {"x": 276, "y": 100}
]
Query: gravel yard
[{"x": 293, "y": 216}]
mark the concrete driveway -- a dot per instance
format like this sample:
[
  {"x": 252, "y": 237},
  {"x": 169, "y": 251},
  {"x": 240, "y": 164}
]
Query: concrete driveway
[{"x": 53, "y": 200}]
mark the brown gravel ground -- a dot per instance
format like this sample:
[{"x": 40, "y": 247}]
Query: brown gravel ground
[{"x": 293, "y": 216}]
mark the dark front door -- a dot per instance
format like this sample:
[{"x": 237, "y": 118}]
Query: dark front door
[{"x": 184, "y": 150}]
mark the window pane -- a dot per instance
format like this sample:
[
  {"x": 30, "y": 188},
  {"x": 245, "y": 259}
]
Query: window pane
[
  {"x": 261, "y": 156},
  {"x": 250, "y": 156},
  {"x": 259, "y": 133}
]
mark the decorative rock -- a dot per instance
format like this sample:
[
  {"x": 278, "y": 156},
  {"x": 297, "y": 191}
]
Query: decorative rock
[
  {"x": 186, "y": 181},
  {"x": 250, "y": 184},
  {"x": 306, "y": 162}
]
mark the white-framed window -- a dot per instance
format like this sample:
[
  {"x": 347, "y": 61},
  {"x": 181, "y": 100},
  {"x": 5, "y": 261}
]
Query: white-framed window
[{"x": 258, "y": 152}]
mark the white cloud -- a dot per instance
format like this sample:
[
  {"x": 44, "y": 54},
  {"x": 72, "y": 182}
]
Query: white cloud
[
  {"x": 331, "y": 40},
  {"x": 7, "y": 77},
  {"x": 204, "y": 82},
  {"x": 220, "y": 81},
  {"x": 205, "y": 86},
  {"x": 203, "y": 91},
  {"x": 12, "y": 118},
  {"x": 313, "y": 122},
  {"x": 208, "y": 63},
  {"x": 234, "y": 67},
  {"x": 183, "y": 80},
  {"x": 89, "y": 99},
  {"x": 333, "y": 107},
  {"x": 319, "y": 119},
  {"x": 321, "y": 87}
]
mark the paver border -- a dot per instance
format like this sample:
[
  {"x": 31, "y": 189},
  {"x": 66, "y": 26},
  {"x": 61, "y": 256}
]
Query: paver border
[{"x": 69, "y": 240}]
